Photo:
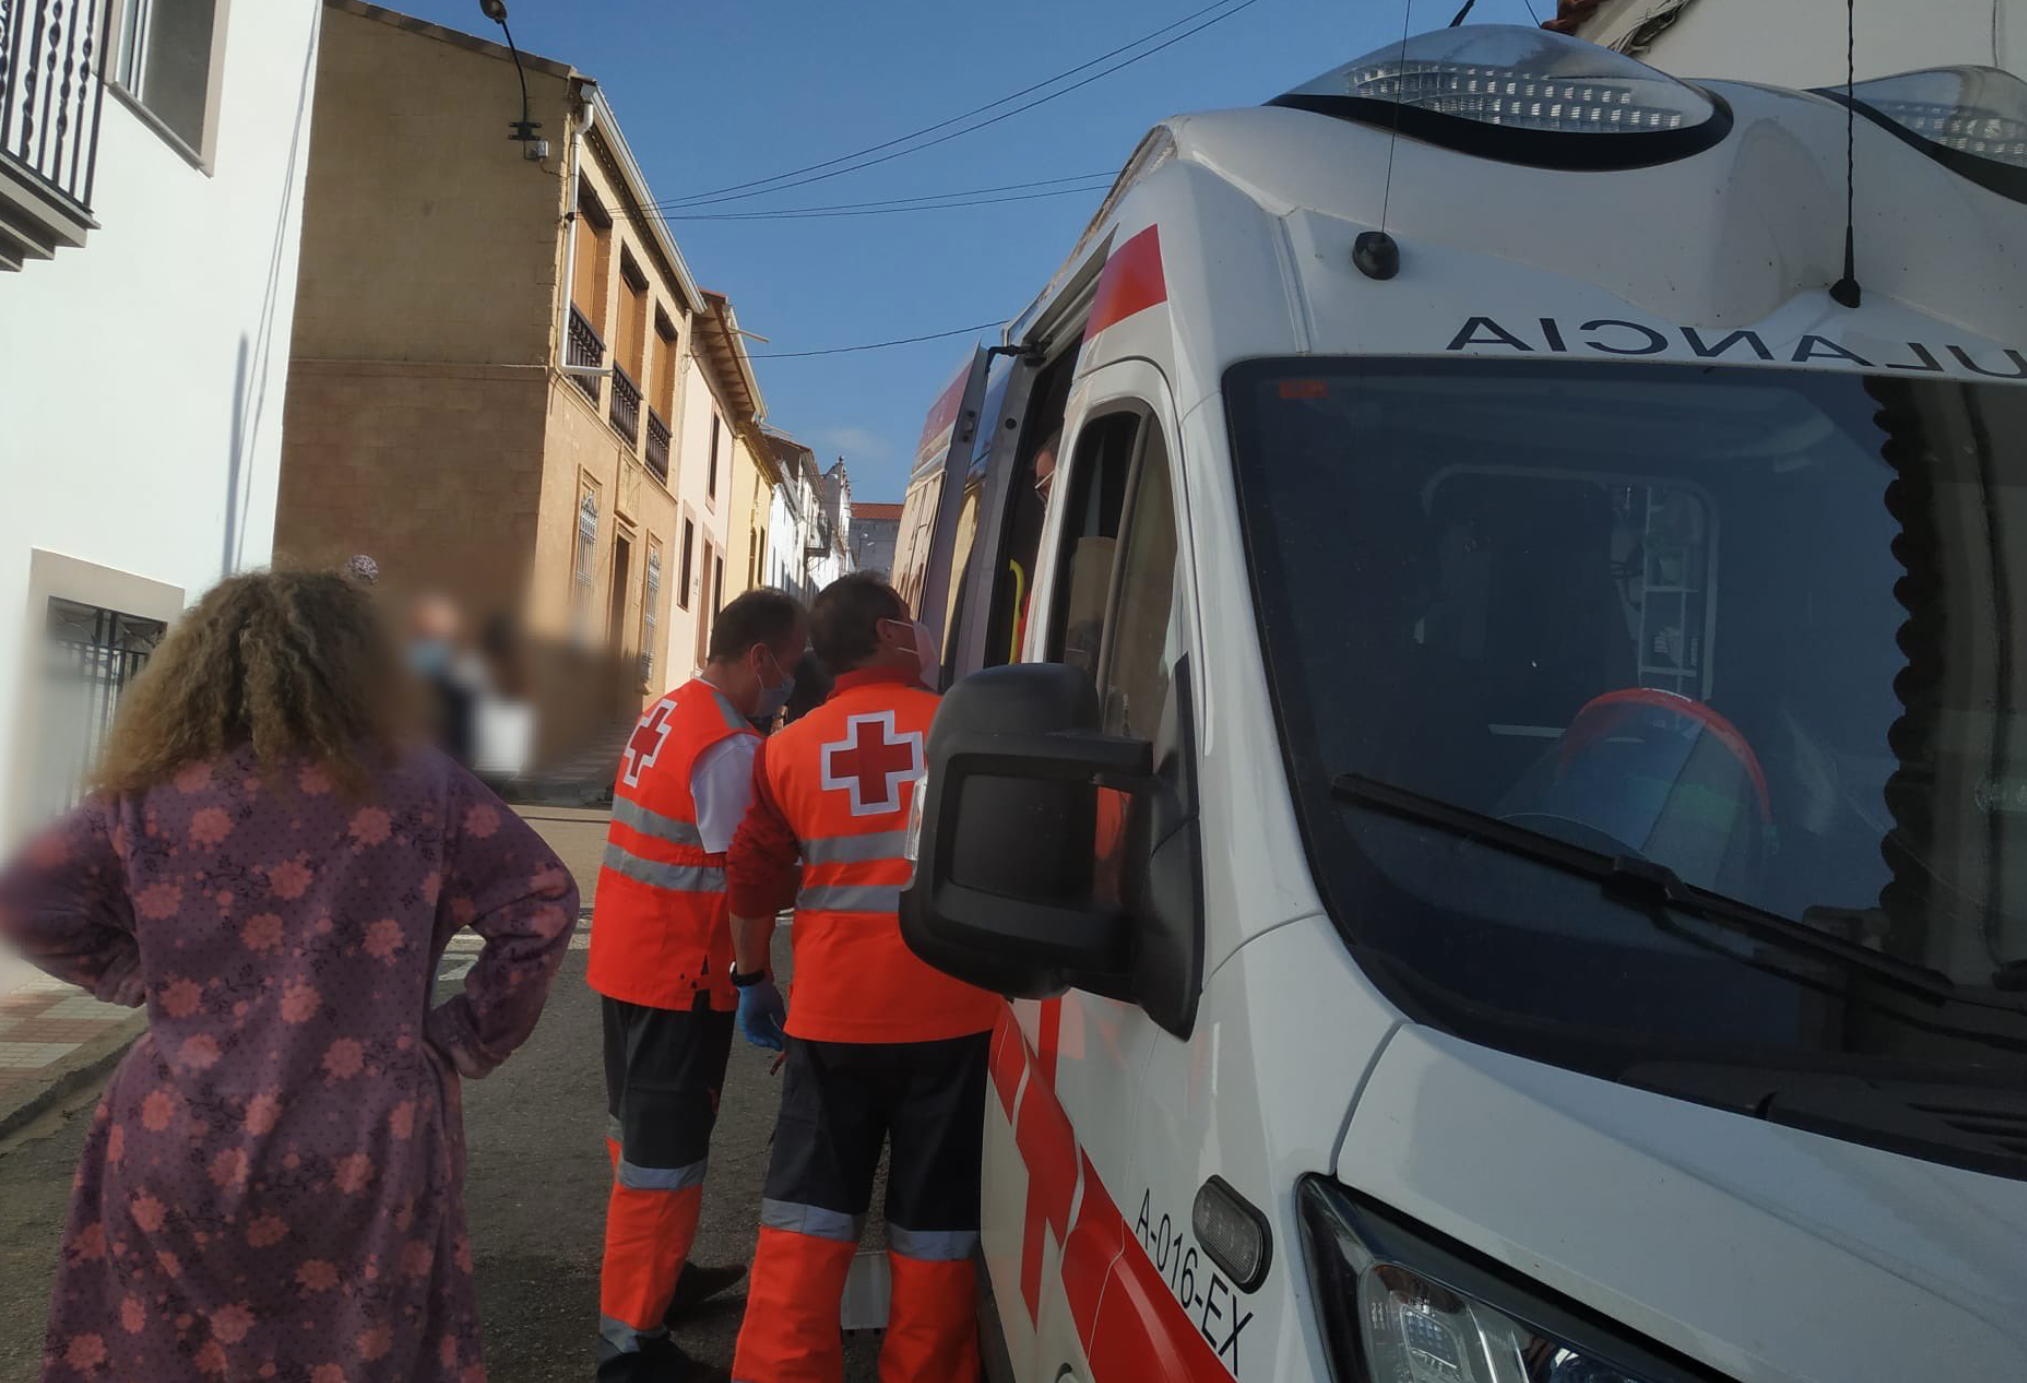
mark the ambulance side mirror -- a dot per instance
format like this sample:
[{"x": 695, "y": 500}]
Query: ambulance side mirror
[{"x": 1004, "y": 894}]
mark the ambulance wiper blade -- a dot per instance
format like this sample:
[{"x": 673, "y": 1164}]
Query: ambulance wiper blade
[{"x": 1647, "y": 884}]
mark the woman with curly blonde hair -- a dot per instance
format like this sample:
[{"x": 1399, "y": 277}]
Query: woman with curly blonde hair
[{"x": 273, "y": 1185}]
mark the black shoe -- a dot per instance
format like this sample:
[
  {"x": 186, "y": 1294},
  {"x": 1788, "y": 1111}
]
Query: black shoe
[
  {"x": 699, "y": 1284},
  {"x": 659, "y": 1360},
  {"x": 697, "y": 1371}
]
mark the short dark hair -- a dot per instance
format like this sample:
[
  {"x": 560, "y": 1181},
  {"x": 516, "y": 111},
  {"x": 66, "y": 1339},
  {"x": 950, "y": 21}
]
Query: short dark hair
[
  {"x": 757, "y": 617},
  {"x": 844, "y": 622}
]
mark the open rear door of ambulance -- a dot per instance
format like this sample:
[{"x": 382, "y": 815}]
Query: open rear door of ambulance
[{"x": 922, "y": 553}]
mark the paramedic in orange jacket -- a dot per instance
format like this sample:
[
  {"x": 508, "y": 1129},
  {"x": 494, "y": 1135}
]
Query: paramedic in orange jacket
[
  {"x": 880, "y": 1047},
  {"x": 661, "y": 955}
]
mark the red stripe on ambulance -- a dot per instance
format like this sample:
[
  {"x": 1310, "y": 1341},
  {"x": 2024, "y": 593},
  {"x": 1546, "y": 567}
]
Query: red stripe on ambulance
[
  {"x": 1131, "y": 282},
  {"x": 1130, "y": 1324}
]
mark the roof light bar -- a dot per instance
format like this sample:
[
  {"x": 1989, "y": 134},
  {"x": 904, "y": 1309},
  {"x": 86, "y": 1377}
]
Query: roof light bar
[
  {"x": 1521, "y": 95},
  {"x": 1972, "y": 119}
]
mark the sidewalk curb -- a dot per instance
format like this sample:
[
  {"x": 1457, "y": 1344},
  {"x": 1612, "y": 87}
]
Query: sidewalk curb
[{"x": 71, "y": 1074}]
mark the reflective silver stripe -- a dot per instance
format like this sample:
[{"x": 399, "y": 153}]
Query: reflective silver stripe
[
  {"x": 614, "y": 1129},
  {"x": 812, "y": 1220},
  {"x": 624, "y": 1337},
  {"x": 879, "y": 845},
  {"x": 638, "y": 1178},
  {"x": 654, "y": 823},
  {"x": 849, "y": 898},
  {"x": 932, "y": 1245},
  {"x": 677, "y": 878}
]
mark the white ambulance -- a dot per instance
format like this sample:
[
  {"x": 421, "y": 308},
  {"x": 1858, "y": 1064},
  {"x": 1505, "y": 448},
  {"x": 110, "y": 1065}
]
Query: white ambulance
[{"x": 1492, "y": 764}]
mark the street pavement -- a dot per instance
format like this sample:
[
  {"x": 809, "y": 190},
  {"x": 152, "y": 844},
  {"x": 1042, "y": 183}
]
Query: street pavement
[{"x": 537, "y": 1184}]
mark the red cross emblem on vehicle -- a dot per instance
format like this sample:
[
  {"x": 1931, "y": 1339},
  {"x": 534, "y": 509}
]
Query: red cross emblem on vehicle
[
  {"x": 648, "y": 739},
  {"x": 871, "y": 762}
]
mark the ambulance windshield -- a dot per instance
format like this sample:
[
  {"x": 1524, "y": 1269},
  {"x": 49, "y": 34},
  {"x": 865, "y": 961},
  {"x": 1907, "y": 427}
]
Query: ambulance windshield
[{"x": 1755, "y": 627}]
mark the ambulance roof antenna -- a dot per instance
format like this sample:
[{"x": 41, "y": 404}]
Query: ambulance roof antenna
[
  {"x": 1846, "y": 292},
  {"x": 1377, "y": 254}
]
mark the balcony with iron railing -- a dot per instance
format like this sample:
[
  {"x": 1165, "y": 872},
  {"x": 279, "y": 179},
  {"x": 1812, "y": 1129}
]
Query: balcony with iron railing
[
  {"x": 659, "y": 437},
  {"x": 52, "y": 94},
  {"x": 625, "y": 409},
  {"x": 584, "y": 350}
]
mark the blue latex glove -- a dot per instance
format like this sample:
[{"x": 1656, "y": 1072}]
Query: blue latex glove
[{"x": 761, "y": 1015}]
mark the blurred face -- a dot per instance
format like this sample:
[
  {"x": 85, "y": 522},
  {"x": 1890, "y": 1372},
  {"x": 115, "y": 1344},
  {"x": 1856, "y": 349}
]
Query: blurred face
[
  {"x": 1045, "y": 471},
  {"x": 432, "y": 634}
]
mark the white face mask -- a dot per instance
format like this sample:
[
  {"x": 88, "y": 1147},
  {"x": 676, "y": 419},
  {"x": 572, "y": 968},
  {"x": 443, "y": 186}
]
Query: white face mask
[{"x": 929, "y": 667}]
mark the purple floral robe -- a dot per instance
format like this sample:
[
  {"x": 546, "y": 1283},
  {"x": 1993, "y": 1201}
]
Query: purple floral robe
[{"x": 273, "y": 1187}]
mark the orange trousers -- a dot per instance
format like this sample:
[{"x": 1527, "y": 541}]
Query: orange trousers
[
  {"x": 840, "y": 1103},
  {"x": 663, "y": 1072}
]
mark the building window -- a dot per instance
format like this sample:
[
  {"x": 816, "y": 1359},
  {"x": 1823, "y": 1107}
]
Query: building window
[
  {"x": 711, "y": 485},
  {"x": 651, "y": 612},
  {"x": 167, "y": 62},
  {"x": 93, "y": 655},
  {"x": 584, "y": 568},
  {"x": 689, "y": 555},
  {"x": 717, "y": 585}
]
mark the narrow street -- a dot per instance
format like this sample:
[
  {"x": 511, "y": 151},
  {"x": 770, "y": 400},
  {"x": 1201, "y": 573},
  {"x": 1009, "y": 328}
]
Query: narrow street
[{"x": 536, "y": 1193}]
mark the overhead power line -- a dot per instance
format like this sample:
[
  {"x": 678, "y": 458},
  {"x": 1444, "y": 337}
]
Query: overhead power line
[
  {"x": 1108, "y": 174},
  {"x": 1242, "y": 5},
  {"x": 883, "y": 345},
  {"x": 822, "y": 213},
  {"x": 721, "y": 192}
]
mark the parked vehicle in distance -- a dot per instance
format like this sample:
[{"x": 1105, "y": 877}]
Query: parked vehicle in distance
[{"x": 1495, "y": 779}]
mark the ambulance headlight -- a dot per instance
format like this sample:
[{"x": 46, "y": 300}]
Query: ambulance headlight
[
  {"x": 1521, "y": 95},
  {"x": 1399, "y": 1306},
  {"x": 1974, "y": 119}
]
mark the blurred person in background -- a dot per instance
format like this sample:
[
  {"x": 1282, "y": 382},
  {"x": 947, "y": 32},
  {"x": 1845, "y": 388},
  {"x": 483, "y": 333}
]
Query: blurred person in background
[
  {"x": 273, "y": 1181},
  {"x": 434, "y": 656},
  {"x": 503, "y": 740}
]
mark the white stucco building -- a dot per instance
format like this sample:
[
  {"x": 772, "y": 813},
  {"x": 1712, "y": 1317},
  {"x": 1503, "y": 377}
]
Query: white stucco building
[
  {"x": 823, "y": 551},
  {"x": 794, "y": 511},
  {"x": 1800, "y": 43},
  {"x": 148, "y": 301}
]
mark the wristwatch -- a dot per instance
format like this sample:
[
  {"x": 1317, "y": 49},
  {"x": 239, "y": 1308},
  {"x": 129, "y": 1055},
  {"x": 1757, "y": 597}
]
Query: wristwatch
[{"x": 740, "y": 981}]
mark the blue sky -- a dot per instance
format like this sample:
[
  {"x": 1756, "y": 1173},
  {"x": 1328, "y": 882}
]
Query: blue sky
[{"x": 718, "y": 93}]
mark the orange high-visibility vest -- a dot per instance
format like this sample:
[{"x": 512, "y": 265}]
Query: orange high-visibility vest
[
  {"x": 662, "y": 929},
  {"x": 844, "y": 777}
]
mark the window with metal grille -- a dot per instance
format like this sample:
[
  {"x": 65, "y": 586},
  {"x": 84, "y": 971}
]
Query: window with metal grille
[
  {"x": 689, "y": 555},
  {"x": 649, "y": 608},
  {"x": 585, "y": 568},
  {"x": 711, "y": 483},
  {"x": 93, "y": 655}
]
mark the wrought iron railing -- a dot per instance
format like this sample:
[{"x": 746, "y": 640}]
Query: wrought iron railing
[
  {"x": 584, "y": 349},
  {"x": 658, "y": 445},
  {"x": 52, "y": 93},
  {"x": 625, "y": 411}
]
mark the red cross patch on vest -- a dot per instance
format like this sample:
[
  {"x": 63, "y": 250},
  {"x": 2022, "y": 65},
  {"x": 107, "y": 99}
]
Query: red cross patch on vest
[
  {"x": 871, "y": 762},
  {"x": 648, "y": 738}
]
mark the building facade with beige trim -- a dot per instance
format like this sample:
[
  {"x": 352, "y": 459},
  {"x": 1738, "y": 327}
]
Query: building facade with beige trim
[{"x": 506, "y": 384}]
